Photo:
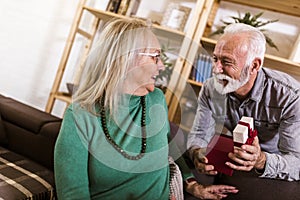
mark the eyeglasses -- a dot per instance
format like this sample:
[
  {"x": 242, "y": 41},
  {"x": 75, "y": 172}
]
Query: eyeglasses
[{"x": 155, "y": 56}]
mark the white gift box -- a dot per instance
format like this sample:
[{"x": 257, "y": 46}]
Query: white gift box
[
  {"x": 248, "y": 120},
  {"x": 240, "y": 132}
]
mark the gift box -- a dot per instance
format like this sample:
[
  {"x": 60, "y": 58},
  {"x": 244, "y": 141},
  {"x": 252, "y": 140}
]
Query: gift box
[
  {"x": 217, "y": 153},
  {"x": 240, "y": 134},
  {"x": 220, "y": 145},
  {"x": 244, "y": 132}
]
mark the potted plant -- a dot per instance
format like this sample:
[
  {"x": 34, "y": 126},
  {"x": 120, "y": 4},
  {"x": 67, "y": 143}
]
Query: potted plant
[
  {"x": 164, "y": 76},
  {"x": 252, "y": 21}
]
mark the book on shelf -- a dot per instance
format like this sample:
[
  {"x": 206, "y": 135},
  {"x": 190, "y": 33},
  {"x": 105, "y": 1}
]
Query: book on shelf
[
  {"x": 133, "y": 7},
  {"x": 113, "y": 6},
  {"x": 202, "y": 68},
  {"x": 123, "y": 7}
]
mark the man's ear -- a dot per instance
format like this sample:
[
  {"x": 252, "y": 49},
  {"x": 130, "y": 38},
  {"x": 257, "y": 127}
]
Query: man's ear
[{"x": 256, "y": 65}]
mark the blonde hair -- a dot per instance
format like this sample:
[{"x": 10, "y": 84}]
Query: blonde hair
[{"x": 107, "y": 64}]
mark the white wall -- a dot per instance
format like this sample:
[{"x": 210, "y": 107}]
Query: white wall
[{"x": 32, "y": 38}]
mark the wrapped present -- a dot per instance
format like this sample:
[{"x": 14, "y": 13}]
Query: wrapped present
[
  {"x": 220, "y": 145},
  {"x": 244, "y": 132},
  {"x": 217, "y": 153}
]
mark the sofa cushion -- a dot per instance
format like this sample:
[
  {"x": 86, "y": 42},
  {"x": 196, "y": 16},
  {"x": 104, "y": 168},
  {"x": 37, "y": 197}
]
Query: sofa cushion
[
  {"x": 3, "y": 136},
  {"x": 23, "y": 115},
  {"x": 36, "y": 147},
  {"x": 21, "y": 178}
]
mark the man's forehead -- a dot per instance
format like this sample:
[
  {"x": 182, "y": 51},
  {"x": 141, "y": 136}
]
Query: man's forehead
[{"x": 231, "y": 45}]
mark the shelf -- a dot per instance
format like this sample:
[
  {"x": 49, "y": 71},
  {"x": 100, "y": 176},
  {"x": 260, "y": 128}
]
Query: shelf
[
  {"x": 194, "y": 83},
  {"x": 160, "y": 30},
  {"x": 63, "y": 96},
  {"x": 290, "y": 7},
  {"x": 282, "y": 64},
  {"x": 208, "y": 43}
]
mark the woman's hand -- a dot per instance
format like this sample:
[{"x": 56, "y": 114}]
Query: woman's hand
[{"x": 209, "y": 192}]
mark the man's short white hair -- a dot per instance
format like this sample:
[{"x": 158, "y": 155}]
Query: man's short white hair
[{"x": 255, "y": 40}]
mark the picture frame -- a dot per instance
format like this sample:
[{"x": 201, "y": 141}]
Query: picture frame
[{"x": 176, "y": 16}]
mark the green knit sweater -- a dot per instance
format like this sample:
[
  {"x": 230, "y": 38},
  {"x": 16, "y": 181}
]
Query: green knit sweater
[{"x": 87, "y": 166}]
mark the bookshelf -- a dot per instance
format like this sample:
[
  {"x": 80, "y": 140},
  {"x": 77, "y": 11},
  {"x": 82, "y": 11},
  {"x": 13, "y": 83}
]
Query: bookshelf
[
  {"x": 180, "y": 83},
  {"x": 274, "y": 62},
  {"x": 100, "y": 17}
]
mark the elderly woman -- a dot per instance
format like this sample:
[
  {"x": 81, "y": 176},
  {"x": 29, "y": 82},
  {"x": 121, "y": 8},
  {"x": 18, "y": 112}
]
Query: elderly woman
[{"x": 113, "y": 142}]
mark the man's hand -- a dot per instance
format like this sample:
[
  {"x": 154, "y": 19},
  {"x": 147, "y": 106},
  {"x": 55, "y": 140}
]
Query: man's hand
[
  {"x": 209, "y": 192},
  {"x": 201, "y": 162},
  {"x": 247, "y": 157}
]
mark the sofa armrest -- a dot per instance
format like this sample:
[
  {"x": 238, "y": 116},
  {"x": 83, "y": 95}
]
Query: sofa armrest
[
  {"x": 23, "y": 115},
  {"x": 29, "y": 131}
]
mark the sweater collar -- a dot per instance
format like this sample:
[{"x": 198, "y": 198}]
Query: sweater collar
[{"x": 129, "y": 100}]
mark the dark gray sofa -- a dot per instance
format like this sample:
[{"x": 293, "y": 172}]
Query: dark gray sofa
[{"x": 27, "y": 139}]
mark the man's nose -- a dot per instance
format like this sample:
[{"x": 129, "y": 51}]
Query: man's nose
[{"x": 218, "y": 67}]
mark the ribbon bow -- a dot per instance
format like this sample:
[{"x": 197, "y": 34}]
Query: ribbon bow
[{"x": 251, "y": 132}]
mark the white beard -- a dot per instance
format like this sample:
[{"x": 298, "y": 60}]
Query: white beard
[{"x": 232, "y": 84}]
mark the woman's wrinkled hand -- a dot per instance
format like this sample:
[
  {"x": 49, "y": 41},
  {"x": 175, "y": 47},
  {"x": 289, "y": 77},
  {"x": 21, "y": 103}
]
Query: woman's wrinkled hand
[{"x": 209, "y": 192}]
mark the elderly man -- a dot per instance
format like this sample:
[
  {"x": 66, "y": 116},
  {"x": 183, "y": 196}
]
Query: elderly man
[{"x": 242, "y": 87}]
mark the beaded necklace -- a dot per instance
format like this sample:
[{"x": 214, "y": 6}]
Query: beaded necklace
[{"x": 143, "y": 128}]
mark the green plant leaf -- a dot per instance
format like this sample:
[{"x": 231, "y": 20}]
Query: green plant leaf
[
  {"x": 165, "y": 60},
  {"x": 270, "y": 42},
  {"x": 255, "y": 17},
  {"x": 250, "y": 20}
]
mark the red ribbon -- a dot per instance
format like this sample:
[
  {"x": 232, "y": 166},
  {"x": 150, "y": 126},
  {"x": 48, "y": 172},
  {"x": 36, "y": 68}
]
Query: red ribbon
[{"x": 251, "y": 133}]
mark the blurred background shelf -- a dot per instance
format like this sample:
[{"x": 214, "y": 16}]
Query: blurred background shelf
[{"x": 195, "y": 36}]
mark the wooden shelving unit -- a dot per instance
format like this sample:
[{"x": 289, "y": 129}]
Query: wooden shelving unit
[
  {"x": 55, "y": 94},
  {"x": 274, "y": 62},
  {"x": 199, "y": 84},
  {"x": 202, "y": 19},
  {"x": 160, "y": 30},
  {"x": 290, "y": 7},
  {"x": 181, "y": 72},
  {"x": 201, "y": 12}
]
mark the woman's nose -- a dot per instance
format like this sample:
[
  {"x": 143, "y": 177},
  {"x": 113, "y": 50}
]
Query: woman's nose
[{"x": 160, "y": 65}]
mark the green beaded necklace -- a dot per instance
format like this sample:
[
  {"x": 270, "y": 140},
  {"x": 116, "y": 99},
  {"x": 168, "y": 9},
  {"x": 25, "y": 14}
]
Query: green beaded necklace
[{"x": 143, "y": 127}]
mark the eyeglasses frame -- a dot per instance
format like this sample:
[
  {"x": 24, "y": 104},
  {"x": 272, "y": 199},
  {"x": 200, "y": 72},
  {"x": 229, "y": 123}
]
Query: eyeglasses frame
[{"x": 155, "y": 56}]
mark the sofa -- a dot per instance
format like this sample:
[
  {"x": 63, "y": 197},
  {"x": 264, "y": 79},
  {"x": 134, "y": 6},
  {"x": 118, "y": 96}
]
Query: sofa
[{"x": 27, "y": 139}]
